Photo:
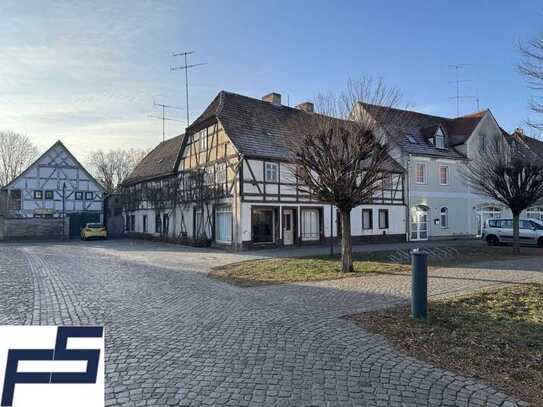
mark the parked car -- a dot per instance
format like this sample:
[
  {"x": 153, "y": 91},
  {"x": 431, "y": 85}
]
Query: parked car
[
  {"x": 93, "y": 231},
  {"x": 500, "y": 231}
]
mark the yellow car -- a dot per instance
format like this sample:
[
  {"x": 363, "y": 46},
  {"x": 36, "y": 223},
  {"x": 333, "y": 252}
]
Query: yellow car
[{"x": 94, "y": 231}]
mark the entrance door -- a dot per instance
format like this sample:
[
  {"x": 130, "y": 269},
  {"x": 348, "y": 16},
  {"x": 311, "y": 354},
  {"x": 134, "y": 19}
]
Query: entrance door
[
  {"x": 288, "y": 230},
  {"x": 419, "y": 226}
]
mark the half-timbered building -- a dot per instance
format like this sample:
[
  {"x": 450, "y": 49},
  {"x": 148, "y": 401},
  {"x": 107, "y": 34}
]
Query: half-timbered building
[
  {"x": 55, "y": 185},
  {"x": 234, "y": 185}
]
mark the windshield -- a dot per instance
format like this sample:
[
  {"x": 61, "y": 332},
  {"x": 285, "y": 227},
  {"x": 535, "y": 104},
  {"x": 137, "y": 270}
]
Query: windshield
[
  {"x": 94, "y": 225},
  {"x": 537, "y": 223}
]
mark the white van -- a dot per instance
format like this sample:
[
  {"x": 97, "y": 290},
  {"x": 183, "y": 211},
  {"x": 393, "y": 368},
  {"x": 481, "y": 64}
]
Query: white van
[{"x": 500, "y": 231}]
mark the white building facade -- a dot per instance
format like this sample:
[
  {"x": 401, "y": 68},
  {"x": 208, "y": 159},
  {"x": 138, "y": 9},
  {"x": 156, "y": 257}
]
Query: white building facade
[{"x": 55, "y": 184}]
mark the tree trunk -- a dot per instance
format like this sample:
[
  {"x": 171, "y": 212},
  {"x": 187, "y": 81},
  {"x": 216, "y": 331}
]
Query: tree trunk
[
  {"x": 516, "y": 237},
  {"x": 346, "y": 243}
]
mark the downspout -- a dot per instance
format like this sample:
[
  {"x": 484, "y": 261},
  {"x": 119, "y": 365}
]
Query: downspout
[{"x": 408, "y": 202}]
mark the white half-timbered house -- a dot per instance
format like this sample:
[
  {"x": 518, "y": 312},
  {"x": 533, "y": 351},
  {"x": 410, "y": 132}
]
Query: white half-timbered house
[
  {"x": 234, "y": 186},
  {"x": 55, "y": 184}
]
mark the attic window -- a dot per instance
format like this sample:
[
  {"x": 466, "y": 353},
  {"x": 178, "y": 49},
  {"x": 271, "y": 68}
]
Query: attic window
[
  {"x": 411, "y": 139},
  {"x": 440, "y": 140}
]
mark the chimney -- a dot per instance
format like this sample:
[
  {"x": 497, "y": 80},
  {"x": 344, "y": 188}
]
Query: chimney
[
  {"x": 306, "y": 107},
  {"x": 273, "y": 98},
  {"x": 519, "y": 132}
]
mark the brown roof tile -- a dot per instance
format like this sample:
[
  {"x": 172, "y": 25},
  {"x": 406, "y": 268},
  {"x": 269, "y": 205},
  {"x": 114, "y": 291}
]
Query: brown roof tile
[{"x": 161, "y": 161}]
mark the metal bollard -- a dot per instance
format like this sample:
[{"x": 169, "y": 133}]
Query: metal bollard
[{"x": 419, "y": 284}]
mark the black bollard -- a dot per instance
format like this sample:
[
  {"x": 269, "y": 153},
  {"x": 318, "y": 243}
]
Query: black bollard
[{"x": 419, "y": 284}]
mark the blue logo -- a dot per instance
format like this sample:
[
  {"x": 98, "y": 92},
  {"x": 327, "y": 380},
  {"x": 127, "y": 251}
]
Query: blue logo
[{"x": 59, "y": 353}]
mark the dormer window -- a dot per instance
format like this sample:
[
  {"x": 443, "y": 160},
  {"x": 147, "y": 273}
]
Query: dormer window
[{"x": 440, "y": 141}]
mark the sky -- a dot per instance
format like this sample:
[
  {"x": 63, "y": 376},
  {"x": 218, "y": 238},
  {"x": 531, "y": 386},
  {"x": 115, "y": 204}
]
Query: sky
[{"x": 87, "y": 73}]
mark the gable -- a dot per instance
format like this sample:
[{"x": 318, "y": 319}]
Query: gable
[{"x": 56, "y": 164}]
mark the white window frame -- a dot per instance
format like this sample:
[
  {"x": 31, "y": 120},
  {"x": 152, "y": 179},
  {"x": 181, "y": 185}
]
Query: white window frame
[
  {"x": 444, "y": 214},
  {"x": 447, "y": 172},
  {"x": 223, "y": 210},
  {"x": 269, "y": 169},
  {"x": 423, "y": 166},
  {"x": 440, "y": 136},
  {"x": 386, "y": 219},
  {"x": 220, "y": 173},
  {"x": 310, "y": 222},
  {"x": 370, "y": 225},
  {"x": 202, "y": 144}
]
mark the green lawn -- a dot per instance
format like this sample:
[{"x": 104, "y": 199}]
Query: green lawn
[
  {"x": 496, "y": 336},
  {"x": 285, "y": 270}
]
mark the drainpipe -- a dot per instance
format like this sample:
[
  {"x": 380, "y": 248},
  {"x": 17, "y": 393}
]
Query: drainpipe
[
  {"x": 408, "y": 202},
  {"x": 331, "y": 230}
]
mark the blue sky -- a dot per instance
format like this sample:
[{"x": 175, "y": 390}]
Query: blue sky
[{"x": 87, "y": 72}]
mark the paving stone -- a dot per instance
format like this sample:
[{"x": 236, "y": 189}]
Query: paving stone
[{"x": 175, "y": 337}]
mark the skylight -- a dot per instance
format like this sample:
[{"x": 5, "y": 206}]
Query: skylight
[{"x": 411, "y": 139}]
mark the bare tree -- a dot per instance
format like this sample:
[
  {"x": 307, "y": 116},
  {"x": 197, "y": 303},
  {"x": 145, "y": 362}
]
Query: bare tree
[
  {"x": 16, "y": 153},
  {"x": 341, "y": 151},
  {"x": 531, "y": 66},
  {"x": 507, "y": 173},
  {"x": 113, "y": 166}
]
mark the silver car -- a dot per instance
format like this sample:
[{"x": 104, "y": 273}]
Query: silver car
[{"x": 500, "y": 231}]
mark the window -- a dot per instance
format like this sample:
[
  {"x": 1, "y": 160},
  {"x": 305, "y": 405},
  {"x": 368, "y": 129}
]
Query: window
[
  {"x": 443, "y": 175},
  {"x": 89, "y": 196},
  {"x": 132, "y": 222},
  {"x": 79, "y": 196},
  {"x": 15, "y": 199},
  {"x": 158, "y": 223},
  {"x": 203, "y": 140},
  {"x": 263, "y": 222},
  {"x": 223, "y": 223},
  {"x": 220, "y": 174},
  {"x": 209, "y": 176},
  {"x": 367, "y": 219},
  {"x": 127, "y": 223},
  {"x": 525, "y": 224},
  {"x": 198, "y": 221},
  {"x": 444, "y": 218},
  {"x": 38, "y": 194},
  {"x": 383, "y": 218},
  {"x": 440, "y": 140},
  {"x": 420, "y": 173},
  {"x": 271, "y": 172},
  {"x": 411, "y": 139},
  {"x": 165, "y": 223},
  {"x": 144, "y": 223},
  {"x": 310, "y": 224},
  {"x": 49, "y": 195}
]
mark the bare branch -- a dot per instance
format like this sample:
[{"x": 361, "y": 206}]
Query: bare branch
[
  {"x": 112, "y": 167},
  {"x": 16, "y": 153}
]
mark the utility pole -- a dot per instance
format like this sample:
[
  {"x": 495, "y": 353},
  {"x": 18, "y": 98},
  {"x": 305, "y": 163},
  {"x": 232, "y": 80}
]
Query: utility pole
[
  {"x": 163, "y": 117},
  {"x": 186, "y": 68},
  {"x": 457, "y": 81}
]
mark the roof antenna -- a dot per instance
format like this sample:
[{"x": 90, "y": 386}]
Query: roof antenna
[
  {"x": 186, "y": 68},
  {"x": 163, "y": 117},
  {"x": 457, "y": 81}
]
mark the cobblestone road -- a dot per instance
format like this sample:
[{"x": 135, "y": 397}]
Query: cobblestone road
[{"x": 177, "y": 338}]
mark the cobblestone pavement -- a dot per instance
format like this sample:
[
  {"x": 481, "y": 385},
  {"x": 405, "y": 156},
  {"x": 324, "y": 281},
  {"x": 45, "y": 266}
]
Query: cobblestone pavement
[{"x": 174, "y": 337}]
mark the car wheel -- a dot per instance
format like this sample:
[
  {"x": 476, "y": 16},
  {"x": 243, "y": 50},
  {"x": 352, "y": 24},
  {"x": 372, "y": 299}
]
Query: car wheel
[{"x": 492, "y": 240}]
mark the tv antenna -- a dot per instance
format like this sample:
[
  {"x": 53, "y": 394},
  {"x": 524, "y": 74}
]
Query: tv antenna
[
  {"x": 457, "y": 81},
  {"x": 186, "y": 68},
  {"x": 163, "y": 117}
]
